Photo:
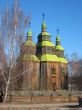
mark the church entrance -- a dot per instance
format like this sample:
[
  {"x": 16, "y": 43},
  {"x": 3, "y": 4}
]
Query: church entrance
[
  {"x": 53, "y": 80},
  {"x": 54, "y": 86}
]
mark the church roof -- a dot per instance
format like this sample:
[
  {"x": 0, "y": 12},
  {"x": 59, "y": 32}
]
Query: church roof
[
  {"x": 48, "y": 57},
  {"x": 55, "y": 58},
  {"x": 30, "y": 57},
  {"x": 29, "y": 42},
  {"x": 59, "y": 47},
  {"x": 46, "y": 43},
  {"x": 44, "y": 34},
  {"x": 63, "y": 60}
]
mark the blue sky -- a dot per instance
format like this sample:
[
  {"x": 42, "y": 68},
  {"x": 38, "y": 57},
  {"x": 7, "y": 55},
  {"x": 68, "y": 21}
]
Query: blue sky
[{"x": 64, "y": 14}]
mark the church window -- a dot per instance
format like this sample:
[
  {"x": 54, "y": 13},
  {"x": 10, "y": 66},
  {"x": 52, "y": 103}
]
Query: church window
[
  {"x": 63, "y": 72},
  {"x": 53, "y": 71}
]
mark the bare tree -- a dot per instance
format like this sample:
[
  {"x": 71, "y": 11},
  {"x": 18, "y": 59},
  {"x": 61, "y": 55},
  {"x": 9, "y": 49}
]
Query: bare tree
[
  {"x": 75, "y": 72},
  {"x": 13, "y": 24}
]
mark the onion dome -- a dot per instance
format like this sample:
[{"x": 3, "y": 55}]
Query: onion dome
[
  {"x": 44, "y": 32},
  {"x": 29, "y": 33},
  {"x": 44, "y": 27},
  {"x": 29, "y": 38},
  {"x": 58, "y": 42},
  {"x": 58, "y": 39}
]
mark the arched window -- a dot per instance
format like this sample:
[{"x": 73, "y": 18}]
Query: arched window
[{"x": 53, "y": 71}]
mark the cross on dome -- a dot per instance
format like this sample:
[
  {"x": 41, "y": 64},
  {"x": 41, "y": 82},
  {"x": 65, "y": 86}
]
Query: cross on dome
[{"x": 57, "y": 31}]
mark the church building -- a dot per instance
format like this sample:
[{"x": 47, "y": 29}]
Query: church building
[{"x": 43, "y": 64}]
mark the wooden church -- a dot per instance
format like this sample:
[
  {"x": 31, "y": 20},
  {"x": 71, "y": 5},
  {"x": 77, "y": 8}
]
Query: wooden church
[{"x": 43, "y": 65}]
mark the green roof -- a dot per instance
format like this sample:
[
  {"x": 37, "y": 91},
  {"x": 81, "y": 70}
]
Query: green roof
[
  {"x": 29, "y": 33},
  {"x": 63, "y": 60},
  {"x": 29, "y": 42},
  {"x": 48, "y": 57},
  {"x": 59, "y": 47},
  {"x": 30, "y": 57},
  {"x": 45, "y": 34},
  {"x": 45, "y": 43},
  {"x": 45, "y": 57}
]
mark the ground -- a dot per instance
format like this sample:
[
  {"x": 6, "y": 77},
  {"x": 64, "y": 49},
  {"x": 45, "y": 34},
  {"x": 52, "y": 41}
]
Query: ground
[
  {"x": 48, "y": 102},
  {"x": 47, "y": 106}
]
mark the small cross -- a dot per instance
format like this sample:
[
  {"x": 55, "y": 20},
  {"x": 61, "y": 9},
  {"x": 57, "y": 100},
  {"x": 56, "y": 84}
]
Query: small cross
[
  {"x": 57, "y": 31},
  {"x": 43, "y": 16}
]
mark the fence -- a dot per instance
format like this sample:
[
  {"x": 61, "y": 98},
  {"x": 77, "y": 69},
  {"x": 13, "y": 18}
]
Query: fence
[{"x": 46, "y": 93}]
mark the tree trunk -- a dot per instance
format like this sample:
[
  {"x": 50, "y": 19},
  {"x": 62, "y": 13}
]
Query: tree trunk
[{"x": 6, "y": 92}]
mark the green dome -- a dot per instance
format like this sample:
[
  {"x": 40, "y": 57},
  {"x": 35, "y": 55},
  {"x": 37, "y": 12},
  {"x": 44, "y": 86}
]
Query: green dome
[
  {"x": 29, "y": 33},
  {"x": 57, "y": 38},
  {"x": 45, "y": 43},
  {"x": 48, "y": 57},
  {"x": 29, "y": 42},
  {"x": 59, "y": 47},
  {"x": 43, "y": 33}
]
